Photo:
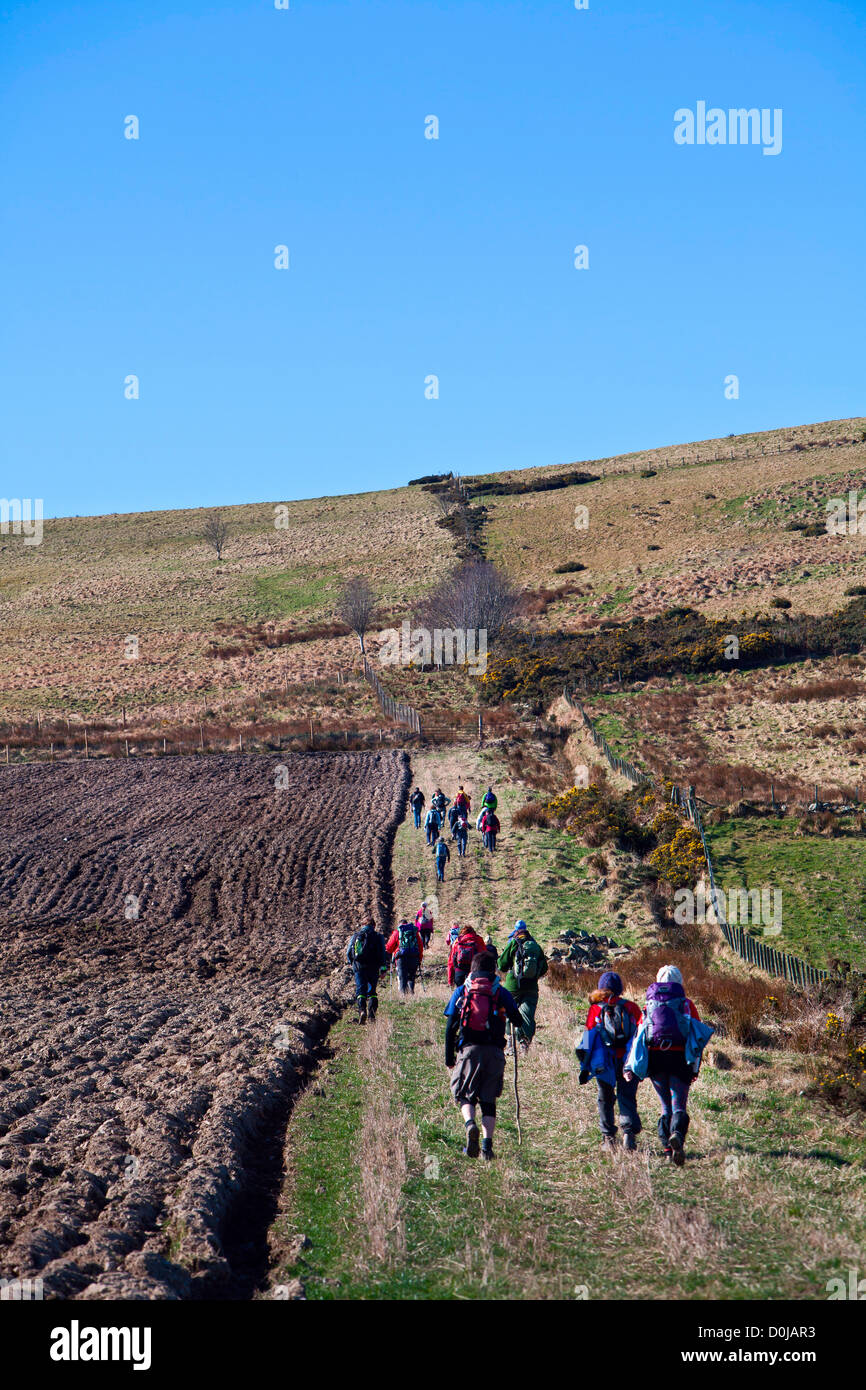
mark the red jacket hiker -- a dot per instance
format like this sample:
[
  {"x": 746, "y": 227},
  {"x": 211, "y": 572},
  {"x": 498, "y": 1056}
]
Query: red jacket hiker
[
  {"x": 468, "y": 939},
  {"x": 490, "y": 823},
  {"x": 601, "y": 996},
  {"x": 393, "y": 943}
]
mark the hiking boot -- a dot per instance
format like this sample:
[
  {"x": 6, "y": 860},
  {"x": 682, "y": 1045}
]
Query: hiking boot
[
  {"x": 629, "y": 1143},
  {"x": 471, "y": 1149},
  {"x": 487, "y": 1149},
  {"x": 678, "y": 1158},
  {"x": 608, "y": 1144},
  {"x": 667, "y": 1153}
]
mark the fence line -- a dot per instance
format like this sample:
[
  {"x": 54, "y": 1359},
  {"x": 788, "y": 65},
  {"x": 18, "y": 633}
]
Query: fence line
[
  {"x": 395, "y": 709},
  {"x": 749, "y": 948}
]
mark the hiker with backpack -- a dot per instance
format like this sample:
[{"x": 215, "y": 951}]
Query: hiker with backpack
[
  {"x": 466, "y": 946},
  {"x": 668, "y": 1048},
  {"x": 424, "y": 923},
  {"x": 407, "y": 949},
  {"x": 615, "y": 1020},
  {"x": 441, "y": 853},
  {"x": 453, "y": 933},
  {"x": 416, "y": 801},
  {"x": 461, "y": 835},
  {"x": 489, "y": 801},
  {"x": 453, "y": 817},
  {"x": 439, "y": 801},
  {"x": 523, "y": 963},
  {"x": 432, "y": 825},
  {"x": 463, "y": 801},
  {"x": 489, "y": 829},
  {"x": 366, "y": 955},
  {"x": 478, "y": 1013}
]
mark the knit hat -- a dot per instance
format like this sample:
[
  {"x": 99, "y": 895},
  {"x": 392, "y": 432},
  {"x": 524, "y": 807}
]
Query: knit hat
[
  {"x": 669, "y": 975},
  {"x": 610, "y": 982}
]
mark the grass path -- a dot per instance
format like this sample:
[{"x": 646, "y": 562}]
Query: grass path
[{"x": 771, "y": 1203}]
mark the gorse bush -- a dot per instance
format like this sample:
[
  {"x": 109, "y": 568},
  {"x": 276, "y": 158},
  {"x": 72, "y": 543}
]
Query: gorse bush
[{"x": 680, "y": 860}]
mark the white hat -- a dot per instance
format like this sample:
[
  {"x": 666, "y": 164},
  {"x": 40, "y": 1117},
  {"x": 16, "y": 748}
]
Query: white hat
[{"x": 669, "y": 975}]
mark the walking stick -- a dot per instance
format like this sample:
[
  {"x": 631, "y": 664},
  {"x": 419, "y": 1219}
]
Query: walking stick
[
  {"x": 421, "y": 976},
  {"x": 516, "y": 1092}
]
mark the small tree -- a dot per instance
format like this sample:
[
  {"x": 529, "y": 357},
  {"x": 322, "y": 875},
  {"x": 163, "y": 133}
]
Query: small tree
[
  {"x": 215, "y": 533},
  {"x": 476, "y": 595},
  {"x": 356, "y": 606}
]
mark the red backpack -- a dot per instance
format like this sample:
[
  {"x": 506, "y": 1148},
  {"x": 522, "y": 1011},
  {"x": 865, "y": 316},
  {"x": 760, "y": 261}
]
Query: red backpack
[
  {"x": 465, "y": 951},
  {"x": 478, "y": 1007}
]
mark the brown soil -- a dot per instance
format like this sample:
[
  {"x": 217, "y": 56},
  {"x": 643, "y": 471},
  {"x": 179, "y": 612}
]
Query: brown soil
[{"x": 147, "y": 1066}]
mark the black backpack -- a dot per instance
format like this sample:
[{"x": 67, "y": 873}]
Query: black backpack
[
  {"x": 363, "y": 946},
  {"x": 616, "y": 1024}
]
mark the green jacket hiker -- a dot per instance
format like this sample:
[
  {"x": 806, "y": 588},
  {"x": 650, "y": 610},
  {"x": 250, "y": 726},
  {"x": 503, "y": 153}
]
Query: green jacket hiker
[{"x": 522, "y": 964}]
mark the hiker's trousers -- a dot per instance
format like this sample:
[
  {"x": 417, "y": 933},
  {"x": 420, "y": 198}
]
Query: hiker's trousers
[
  {"x": 365, "y": 982},
  {"x": 671, "y": 1078},
  {"x": 440, "y": 870},
  {"x": 417, "y": 815},
  {"x": 527, "y": 1002},
  {"x": 407, "y": 969},
  {"x": 624, "y": 1093},
  {"x": 432, "y": 834},
  {"x": 461, "y": 844}
]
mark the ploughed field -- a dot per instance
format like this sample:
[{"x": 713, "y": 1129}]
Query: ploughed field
[{"x": 171, "y": 939}]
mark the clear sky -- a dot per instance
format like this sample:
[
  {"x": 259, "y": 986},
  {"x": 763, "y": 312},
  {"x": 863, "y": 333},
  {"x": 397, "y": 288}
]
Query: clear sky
[{"x": 411, "y": 257}]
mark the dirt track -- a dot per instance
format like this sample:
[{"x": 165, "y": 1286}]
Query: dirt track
[{"x": 147, "y": 1065}]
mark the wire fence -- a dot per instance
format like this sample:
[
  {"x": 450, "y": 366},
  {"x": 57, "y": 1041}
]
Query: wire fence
[
  {"x": 394, "y": 709},
  {"x": 748, "y": 947}
]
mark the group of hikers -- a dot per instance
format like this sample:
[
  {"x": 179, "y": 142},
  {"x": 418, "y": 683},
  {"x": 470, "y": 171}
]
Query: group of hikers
[
  {"x": 492, "y": 1010},
  {"x": 494, "y": 999},
  {"x": 457, "y": 814}
]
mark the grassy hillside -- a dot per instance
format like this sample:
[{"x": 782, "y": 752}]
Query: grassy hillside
[{"x": 709, "y": 530}]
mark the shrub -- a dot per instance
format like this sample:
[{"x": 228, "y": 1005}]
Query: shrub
[
  {"x": 574, "y": 567},
  {"x": 681, "y": 860},
  {"x": 780, "y": 603},
  {"x": 855, "y": 591},
  {"x": 532, "y": 813},
  {"x": 648, "y": 472}
]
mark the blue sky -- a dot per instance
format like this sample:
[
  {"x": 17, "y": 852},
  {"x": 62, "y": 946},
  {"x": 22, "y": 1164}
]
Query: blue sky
[{"x": 408, "y": 256}]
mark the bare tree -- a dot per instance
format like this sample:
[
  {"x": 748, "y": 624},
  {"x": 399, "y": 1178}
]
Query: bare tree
[
  {"x": 216, "y": 533},
  {"x": 444, "y": 502},
  {"x": 476, "y": 596},
  {"x": 356, "y": 606}
]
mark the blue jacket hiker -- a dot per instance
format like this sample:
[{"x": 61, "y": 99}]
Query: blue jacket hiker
[
  {"x": 441, "y": 854},
  {"x": 668, "y": 1048},
  {"x": 432, "y": 825},
  {"x": 366, "y": 955},
  {"x": 478, "y": 1013},
  {"x": 611, "y": 1024}
]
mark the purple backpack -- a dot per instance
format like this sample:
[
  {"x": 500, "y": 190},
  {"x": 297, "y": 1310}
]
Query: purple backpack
[{"x": 667, "y": 1014}]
